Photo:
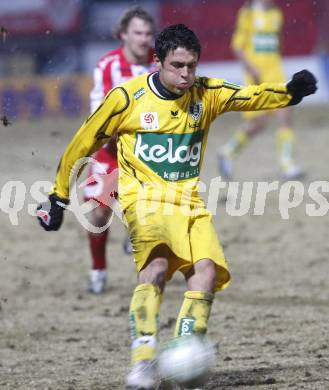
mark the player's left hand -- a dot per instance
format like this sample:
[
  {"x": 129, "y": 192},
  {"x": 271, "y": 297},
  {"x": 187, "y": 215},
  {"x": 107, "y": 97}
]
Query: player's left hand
[
  {"x": 302, "y": 84},
  {"x": 50, "y": 214}
]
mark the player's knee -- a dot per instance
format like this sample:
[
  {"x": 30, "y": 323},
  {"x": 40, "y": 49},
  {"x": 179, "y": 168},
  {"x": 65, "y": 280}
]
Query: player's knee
[
  {"x": 156, "y": 269},
  {"x": 206, "y": 269},
  {"x": 99, "y": 216}
]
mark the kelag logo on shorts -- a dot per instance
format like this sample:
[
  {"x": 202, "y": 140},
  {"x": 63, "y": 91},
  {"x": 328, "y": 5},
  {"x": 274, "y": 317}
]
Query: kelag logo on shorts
[{"x": 172, "y": 156}]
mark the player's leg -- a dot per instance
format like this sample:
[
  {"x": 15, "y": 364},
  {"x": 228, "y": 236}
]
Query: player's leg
[
  {"x": 285, "y": 144},
  {"x": 203, "y": 278},
  {"x": 254, "y": 124},
  {"x": 102, "y": 186},
  {"x": 99, "y": 217},
  {"x": 143, "y": 315},
  {"x": 195, "y": 310},
  {"x": 208, "y": 274}
]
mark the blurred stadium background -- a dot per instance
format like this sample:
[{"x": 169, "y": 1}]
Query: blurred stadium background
[{"x": 49, "y": 47}]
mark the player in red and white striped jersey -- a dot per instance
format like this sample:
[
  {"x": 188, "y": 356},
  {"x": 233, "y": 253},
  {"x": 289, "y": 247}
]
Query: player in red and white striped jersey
[
  {"x": 134, "y": 58},
  {"x": 113, "y": 69}
]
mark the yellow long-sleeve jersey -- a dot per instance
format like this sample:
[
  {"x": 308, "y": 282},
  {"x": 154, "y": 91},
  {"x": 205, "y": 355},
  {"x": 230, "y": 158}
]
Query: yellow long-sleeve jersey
[
  {"x": 257, "y": 34},
  {"x": 161, "y": 142}
]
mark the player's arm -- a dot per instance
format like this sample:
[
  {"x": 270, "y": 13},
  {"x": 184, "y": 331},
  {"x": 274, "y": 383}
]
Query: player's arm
[
  {"x": 94, "y": 133},
  {"x": 265, "y": 96},
  {"x": 240, "y": 39}
]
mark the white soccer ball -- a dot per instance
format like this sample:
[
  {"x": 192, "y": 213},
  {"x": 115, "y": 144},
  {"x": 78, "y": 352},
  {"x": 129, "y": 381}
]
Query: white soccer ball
[{"x": 186, "y": 360}]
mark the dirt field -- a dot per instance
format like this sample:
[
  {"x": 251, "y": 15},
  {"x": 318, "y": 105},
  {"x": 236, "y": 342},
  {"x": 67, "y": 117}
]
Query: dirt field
[{"x": 272, "y": 323}]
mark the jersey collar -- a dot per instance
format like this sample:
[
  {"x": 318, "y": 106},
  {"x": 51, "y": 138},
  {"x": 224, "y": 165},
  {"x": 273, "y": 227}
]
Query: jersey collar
[{"x": 159, "y": 89}]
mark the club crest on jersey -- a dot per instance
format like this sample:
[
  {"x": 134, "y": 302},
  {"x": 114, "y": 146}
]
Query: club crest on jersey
[
  {"x": 149, "y": 120},
  {"x": 195, "y": 110}
]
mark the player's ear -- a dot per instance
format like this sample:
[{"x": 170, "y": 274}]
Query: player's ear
[
  {"x": 123, "y": 36},
  {"x": 157, "y": 61}
]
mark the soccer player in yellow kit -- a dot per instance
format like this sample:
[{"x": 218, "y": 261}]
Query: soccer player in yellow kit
[
  {"x": 162, "y": 122},
  {"x": 256, "y": 43}
]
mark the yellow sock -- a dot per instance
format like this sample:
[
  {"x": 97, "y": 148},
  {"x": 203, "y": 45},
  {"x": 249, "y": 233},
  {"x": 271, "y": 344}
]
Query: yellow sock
[
  {"x": 236, "y": 143},
  {"x": 143, "y": 317},
  {"x": 194, "y": 313},
  {"x": 285, "y": 138}
]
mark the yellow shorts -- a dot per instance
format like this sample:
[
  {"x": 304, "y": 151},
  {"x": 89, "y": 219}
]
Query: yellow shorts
[
  {"x": 189, "y": 234},
  {"x": 271, "y": 72}
]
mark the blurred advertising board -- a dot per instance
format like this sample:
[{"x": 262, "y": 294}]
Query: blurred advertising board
[
  {"x": 29, "y": 17},
  {"x": 37, "y": 97}
]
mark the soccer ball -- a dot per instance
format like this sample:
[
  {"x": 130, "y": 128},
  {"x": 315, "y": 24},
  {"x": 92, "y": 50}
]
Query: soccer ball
[{"x": 186, "y": 360}]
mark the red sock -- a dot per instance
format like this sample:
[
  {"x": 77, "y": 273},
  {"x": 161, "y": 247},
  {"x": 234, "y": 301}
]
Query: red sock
[{"x": 97, "y": 243}]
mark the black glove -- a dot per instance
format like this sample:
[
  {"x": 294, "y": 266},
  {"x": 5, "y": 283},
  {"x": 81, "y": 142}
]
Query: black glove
[
  {"x": 50, "y": 214},
  {"x": 302, "y": 84}
]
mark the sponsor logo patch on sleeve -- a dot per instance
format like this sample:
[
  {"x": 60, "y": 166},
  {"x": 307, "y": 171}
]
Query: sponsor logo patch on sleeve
[{"x": 139, "y": 93}]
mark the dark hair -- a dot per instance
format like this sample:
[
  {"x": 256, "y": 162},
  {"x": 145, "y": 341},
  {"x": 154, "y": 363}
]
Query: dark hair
[
  {"x": 172, "y": 37},
  {"x": 135, "y": 12}
]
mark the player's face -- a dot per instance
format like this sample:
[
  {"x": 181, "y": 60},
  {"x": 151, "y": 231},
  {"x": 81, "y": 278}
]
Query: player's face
[
  {"x": 138, "y": 38},
  {"x": 177, "y": 72}
]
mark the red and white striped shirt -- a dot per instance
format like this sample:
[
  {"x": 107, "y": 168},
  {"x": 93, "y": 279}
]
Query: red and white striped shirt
[{"x": 112, "y": 70}]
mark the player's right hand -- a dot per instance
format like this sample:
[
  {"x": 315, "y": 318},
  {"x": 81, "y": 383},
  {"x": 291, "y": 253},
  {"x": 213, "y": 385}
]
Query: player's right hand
[{"x": 50, "y": 214}]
